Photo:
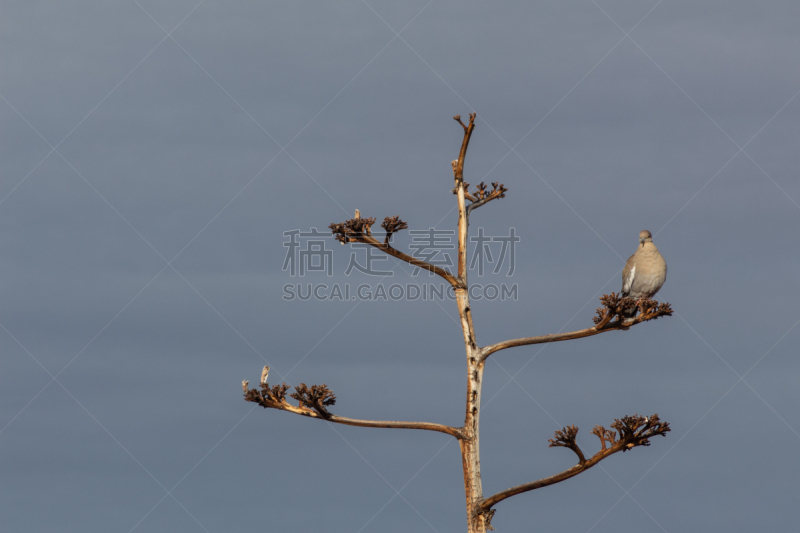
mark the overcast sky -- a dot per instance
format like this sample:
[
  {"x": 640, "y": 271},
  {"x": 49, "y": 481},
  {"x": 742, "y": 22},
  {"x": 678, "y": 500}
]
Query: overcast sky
[{"x": 154, "y": 154}]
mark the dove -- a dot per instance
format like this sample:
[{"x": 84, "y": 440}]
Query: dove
[{"x": 644, "y": 273}]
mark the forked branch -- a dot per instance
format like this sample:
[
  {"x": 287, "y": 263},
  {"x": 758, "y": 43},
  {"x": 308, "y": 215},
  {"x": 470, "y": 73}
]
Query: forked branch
[
  {"x": 613, "y": 307},
  {"x": 313, "y": 402},
  {"x": 633, "y": 431}
]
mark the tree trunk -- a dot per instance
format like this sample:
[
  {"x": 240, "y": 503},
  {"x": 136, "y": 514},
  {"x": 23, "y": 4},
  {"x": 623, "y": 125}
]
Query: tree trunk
[
  {"x": 470, "y": 455},
  {"x": 470, "y": 444}
]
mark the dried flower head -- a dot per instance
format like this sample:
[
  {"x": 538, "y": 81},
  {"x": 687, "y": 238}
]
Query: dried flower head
[
  {"x": 614, "y": 306},
  {"x": 636, "y": 430},
  {"x": 317, "y": 397},
  {"x": 633, "y": 431},
  {"x": 278, "y": 392},
  {"x": 564, "y": 437},
  {"x": 482, "y": 193},
  {"x": 392, "y": 225},
  {"x": 605, "y": 435},
  {"x": 352, "y": 229}
]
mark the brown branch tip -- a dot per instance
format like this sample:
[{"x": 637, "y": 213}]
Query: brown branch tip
[
  {"x": 613, "y": 306},
  {"x": 357, "y": 228},
  {"x": 472, "y": 116},
  {"x": 392, "y": 225},
  {"x": 633, "y": 431},
  {"x": 316, "y": 397},
  {"x": 566, "y": 438}
]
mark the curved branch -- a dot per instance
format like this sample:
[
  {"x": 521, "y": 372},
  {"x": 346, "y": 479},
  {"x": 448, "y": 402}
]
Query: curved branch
[
  {"x": 633, "y": 431},
  {"x": 430, "y": 426},
  {"x": 387, "y": 248},
  {"x": 358, "y": 230},
  {"x": 488, "y": 503},
  {"x": 553, "y": 337},
  {"x": 268, "y": 399},
  {"x": 613, "y": 306},
  {"x": 477, "y": 203}
]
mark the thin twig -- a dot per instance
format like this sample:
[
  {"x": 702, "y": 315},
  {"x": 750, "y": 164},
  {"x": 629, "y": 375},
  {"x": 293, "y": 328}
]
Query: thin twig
[{"x": 313, "y": 407}]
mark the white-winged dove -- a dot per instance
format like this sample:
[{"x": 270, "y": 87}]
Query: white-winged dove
[{"x": 644, "y": 273}]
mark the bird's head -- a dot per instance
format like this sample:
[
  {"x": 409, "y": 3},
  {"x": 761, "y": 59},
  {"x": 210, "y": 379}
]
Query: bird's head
[{"x": 645, "y": 236}]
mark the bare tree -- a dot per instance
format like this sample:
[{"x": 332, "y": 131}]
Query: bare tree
[{"x": 614, "y": 314}]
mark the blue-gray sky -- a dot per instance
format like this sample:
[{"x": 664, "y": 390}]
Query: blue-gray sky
[{"x": 154, "y": 153}]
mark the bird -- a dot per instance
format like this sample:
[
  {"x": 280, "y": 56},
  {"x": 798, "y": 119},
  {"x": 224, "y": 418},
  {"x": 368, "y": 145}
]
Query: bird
[
  {"x": 264, "y": 374},
  {"x": 644, "y": 273}
]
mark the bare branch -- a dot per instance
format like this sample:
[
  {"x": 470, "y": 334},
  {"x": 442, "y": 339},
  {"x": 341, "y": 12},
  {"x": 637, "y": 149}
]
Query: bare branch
[
  {"x": 358, "y": 230},
  {"x": 487, "y": 503},
  {"x": 634, "y": 431},
  {"x": 461, "y": 193},
  {"x": 313, "y": 402},
  {"x": 612, "y": 307},
  {"x": 459, "y": 166}
]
